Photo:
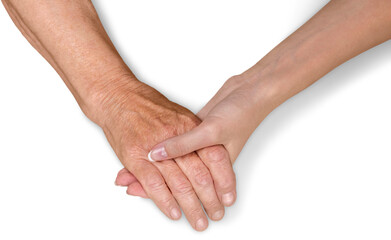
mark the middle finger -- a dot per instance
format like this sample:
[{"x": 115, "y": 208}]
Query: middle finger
[
  {"x": 203, "y": 184},
  {"x": 184, "y": 193}
]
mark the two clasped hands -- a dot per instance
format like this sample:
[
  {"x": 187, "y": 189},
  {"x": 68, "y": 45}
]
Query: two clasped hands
[
  {"x": 192, "y": 155},
  {"x": 198, "y": 150}
]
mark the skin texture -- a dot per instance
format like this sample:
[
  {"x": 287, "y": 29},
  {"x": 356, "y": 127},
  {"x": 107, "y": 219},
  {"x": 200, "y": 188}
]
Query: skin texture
[
  {"x": 133, "y": 116},
  {"x": 141, "y": 119},
  {"x": 136, "y": 117},
  {"x": 338, "y": 32}
]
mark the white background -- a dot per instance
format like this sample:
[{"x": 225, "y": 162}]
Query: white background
[{"x": 317, "y": 168}]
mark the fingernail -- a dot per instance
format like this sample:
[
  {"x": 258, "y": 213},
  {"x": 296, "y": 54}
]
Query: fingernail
[
  {"x": 175, "y": 213},
  {"x": 157, "y": 154},
  {"x": 149, "y": 157},
  {"x": 228, "y": 199},
  {"x": 218, "y": 215},
  {"x": 200, "y": 224}
]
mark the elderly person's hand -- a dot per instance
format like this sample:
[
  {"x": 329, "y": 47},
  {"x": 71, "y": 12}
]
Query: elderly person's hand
[
  {"x": 228, "y": 119},
  {"x": 135, "y": 117}
]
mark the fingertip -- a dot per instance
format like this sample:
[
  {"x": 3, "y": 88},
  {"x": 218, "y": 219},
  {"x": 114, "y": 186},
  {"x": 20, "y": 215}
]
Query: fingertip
[
  {"x": 217, "y": 216},
  {"x": 124, "y": 179},
  {"x": 135, "y": 189},
  {"x": 123, "y": 170},
  {"x": 201, "y": 225},
  {"x": 149, "y": 157},
  {"x": 175, "y": 213},
  {"x": 228, "y": 199},
  {"x": 121, "y": 182},
  {"x": 158, "y": 153}
]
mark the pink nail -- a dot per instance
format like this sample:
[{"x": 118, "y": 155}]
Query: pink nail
[
  {"x": 175, "y": 213},
  {"x": 157, "y": 154},
  {"x": 228, "y": 199}
]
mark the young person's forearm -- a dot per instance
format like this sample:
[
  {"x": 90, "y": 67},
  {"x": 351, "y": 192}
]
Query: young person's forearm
[
  {"x": 70, "y": 36},
  {"x": 340, "y": 31}
]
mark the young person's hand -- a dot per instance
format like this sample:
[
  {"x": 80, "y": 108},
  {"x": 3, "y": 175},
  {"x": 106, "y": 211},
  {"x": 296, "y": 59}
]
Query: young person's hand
[{"x": 340, "y": 31}]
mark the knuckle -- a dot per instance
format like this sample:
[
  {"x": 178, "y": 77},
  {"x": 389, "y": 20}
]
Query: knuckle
[
  {"x": 229, "y": 182},
  {"x": 165, "y": 201},
  {"x": 227, "y": 185},
  {"x": 211, "y": 202},
  {"x": 131, "y": 150},
  {"x": 169, "y": 130},
  {"x": 203, "y": 178},
  {"x": 217, "y": 155},
  {"x": 190, "y": 120},
  {"x": 195, "y": 212},
  {"x": 213, "y": 131},
  {"x": 182, "y": 186},
  {"x": 154, "y": 182},
  {"x": 214, "y": 204}
]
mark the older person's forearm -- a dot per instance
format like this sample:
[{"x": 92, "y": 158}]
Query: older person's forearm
[
  {"x": 71, "y": 37},
  {"x": 337, "y": 33},
  {"x": 133, "y": 116}
]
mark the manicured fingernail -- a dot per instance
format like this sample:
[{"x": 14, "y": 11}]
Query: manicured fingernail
[
  {"x": 157, "y": 154},
  {"x": 175, "y": 213},
  {"x": 218, "y": 215},
  {"x": 228, "y": 199},
  {"x": 200, "y": 224},
  {"x": 149, "y": 157}
]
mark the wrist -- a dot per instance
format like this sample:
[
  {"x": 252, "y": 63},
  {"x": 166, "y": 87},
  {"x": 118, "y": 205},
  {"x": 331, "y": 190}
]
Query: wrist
[
  {"x": 262, "y": 91},
  {"x": 274, "y": 79},
  {"x": 107, "y": 94}
]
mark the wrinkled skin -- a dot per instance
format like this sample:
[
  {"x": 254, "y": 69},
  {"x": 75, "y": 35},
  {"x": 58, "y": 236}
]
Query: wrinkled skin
[
  {"x": 231, "y": 105},
  {"x": 138, "y": 118}
]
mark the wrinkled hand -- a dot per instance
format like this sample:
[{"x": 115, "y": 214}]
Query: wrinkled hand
[
  {"x": 138, "y": 117},
  {"x": 228, "y": 119}
]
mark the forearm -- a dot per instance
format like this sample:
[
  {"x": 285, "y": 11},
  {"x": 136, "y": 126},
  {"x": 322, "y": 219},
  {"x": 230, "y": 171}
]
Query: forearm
[
  {"x": 340, "y": 31},
  {"x": 70, "y": 36}
]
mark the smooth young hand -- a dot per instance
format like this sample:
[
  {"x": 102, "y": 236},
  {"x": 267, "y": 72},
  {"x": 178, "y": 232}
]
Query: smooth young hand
[{"x": 338, "y": 32}]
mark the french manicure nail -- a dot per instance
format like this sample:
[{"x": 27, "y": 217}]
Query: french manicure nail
[
  {"x": 228, "y": 199},
  {"x": 157, "y": 154},
  {"x": 149, "y": 157}
]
